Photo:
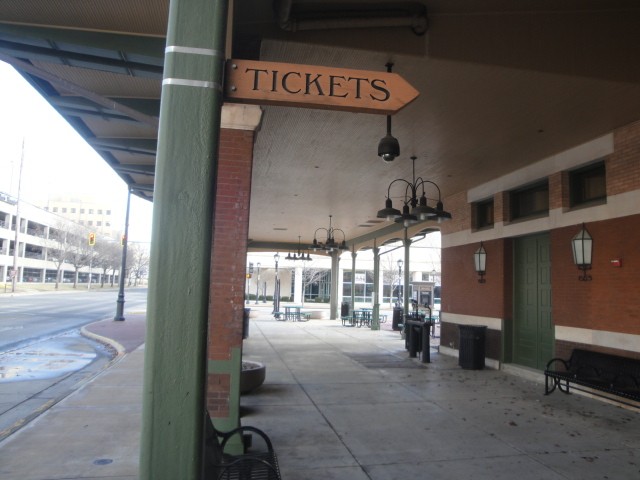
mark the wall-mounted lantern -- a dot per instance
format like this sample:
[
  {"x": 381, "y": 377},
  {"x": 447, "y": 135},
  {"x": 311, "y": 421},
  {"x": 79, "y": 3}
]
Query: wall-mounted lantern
[
  {"x": 480, "y": 262},
  {"x": 582, "y": 246}
]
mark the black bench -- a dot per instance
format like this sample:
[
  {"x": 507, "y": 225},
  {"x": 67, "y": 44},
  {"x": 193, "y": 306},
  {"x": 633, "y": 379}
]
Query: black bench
[
  {"x": 260, "y": 464},
  {"x": 602, "y": 373}
]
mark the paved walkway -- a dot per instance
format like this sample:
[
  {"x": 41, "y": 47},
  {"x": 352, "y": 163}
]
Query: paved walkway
[{"x": 346, "y": 403}]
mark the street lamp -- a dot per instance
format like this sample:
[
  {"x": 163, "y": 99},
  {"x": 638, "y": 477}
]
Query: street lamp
[
  {"x": 120, "y": 302},
  {"x": 400, "y": 262},
  {"x": 258, "y": 283}
]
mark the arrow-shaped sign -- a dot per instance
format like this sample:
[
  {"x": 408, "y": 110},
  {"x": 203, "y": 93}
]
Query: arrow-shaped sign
[{"x": 309, "y": 86}]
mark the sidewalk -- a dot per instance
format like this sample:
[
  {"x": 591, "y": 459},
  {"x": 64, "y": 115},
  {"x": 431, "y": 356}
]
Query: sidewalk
[{"x": 345, "y": 403}]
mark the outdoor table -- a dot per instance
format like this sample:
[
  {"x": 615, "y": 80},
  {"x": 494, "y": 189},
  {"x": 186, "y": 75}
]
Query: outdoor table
[
  {"x": 362, "y": 317},
  {"x": 292, "y": 312}
]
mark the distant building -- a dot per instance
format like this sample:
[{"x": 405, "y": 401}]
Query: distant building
[
  {"x": 96, "y": 216},
  {"x": 37, "y": 230}
]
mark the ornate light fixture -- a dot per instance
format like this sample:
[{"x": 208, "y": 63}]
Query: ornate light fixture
[
  {"x": 419, "y": 208},
  {"x": 330, "y": 243},
  {"x": 480, "y": 262},
  {"x": 300, "y": 255},
  {"x": 582, "y": 246},
  {"x": 388, "y": 147}
]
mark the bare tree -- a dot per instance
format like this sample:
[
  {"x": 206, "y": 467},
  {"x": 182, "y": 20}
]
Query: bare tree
[
  {"x": 81, "y": 253},
  {"x": 390, "y": 275},
  {"x": 310, "y": 274},
  {"x": 139, "y": 263},
  {"x": 108, "y": 257},
  {"x": 58, "y": 252}
]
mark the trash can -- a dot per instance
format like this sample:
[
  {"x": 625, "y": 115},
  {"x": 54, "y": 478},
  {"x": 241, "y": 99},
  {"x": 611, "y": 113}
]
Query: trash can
[
  {"x": 344, "y": 309},
  {"x": 245, "y": 323},
  {"x": 471, "y": 355},
  {"x": 397, "y": 318}
]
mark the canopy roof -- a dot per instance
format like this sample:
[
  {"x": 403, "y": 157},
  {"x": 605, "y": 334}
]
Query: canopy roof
[{"x": 502, "y": 84}]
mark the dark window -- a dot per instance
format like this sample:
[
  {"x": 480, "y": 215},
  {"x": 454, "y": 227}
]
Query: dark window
[
  {"x": 588, "y": 184},
  {"x": 73, "y": 210},
  {"x": 484, "y": 214},
  {"x": 82, "y": 210},
  {"x": 530, "y": 201}
]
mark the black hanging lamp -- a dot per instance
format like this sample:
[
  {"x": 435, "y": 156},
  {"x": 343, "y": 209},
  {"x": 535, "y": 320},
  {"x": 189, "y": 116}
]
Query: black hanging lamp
[{"x": 414, "y": 208}]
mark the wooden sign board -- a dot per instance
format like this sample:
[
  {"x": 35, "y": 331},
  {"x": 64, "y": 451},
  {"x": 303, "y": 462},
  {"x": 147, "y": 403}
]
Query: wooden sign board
[{"x": 308, "y": 86}]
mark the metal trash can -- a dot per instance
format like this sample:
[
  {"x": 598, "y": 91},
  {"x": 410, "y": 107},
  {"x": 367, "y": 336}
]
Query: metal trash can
[
  {"x": 471, "y": 355},
  {"x": 245, "y": 323},
  {"x": 397, "y": 318},
  {"x": 344, "y": 309}
]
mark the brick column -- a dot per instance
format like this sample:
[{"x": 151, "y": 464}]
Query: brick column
[{"x": 228, "y": 263}]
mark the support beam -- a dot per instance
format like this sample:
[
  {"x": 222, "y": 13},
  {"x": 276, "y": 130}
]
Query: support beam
[
  {"x": 375, "y": 320},
  {"x": 177, "y": 310}
]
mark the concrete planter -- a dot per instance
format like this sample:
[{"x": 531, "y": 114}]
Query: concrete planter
[{"x": 252, "y": 376}]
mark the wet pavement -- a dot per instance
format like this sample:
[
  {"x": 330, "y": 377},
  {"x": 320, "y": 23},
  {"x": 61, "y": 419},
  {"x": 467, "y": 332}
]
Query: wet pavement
[
  {"x": 49, "y": 358},
  {"x": 37, "y": 376}
]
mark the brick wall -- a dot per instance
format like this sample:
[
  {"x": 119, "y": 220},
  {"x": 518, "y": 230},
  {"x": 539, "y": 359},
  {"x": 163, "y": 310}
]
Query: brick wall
[
  {"x": 623, "y": 166},
  {"x": 610, "y": 301},
  {"x": 229, "y": 260},
  {"x": 460, "y": 210},
  {"x": 465, "y": 295}
]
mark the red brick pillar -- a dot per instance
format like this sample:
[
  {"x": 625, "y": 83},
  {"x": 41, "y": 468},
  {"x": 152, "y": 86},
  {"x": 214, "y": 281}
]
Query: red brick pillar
[{"x": 228, "y": 263}]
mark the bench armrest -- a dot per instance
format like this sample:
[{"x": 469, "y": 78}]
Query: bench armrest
[
  {"x": 561, "y": 360},
  {"x": 240, "y": 430}
]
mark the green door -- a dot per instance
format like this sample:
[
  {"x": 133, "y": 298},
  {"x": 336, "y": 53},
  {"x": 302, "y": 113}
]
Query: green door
[{"x": 533, "y": 336}]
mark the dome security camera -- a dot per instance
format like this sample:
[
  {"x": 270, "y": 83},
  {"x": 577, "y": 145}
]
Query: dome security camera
[{"x": 388, "y": 148}]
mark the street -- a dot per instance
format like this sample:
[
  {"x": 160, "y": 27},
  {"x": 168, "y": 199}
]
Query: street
[{"x": 43, "y": 356}]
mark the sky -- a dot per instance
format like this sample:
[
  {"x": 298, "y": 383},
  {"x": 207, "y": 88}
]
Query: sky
[{"x": 56, "y": 159}]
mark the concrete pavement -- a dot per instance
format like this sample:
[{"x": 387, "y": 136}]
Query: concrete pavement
[{"x": 346, "y": 403}]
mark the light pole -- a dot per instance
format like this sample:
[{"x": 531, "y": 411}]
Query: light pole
[
  {"x": 258, "y": 283},
  {"x": 276, "y": 288},
  {"x": 120, "y": 302},
  {"x": 400, "y": 262}
]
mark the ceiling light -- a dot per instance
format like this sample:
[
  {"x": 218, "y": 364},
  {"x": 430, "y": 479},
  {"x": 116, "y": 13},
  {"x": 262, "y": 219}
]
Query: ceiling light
[
  {"x": 420, "y": 210},
  {"x": 330, "y": 243}
]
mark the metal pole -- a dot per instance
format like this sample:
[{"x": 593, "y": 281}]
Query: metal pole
[
  {"x": 258, "y": 284},
  {"x": 123, "y": 266},
  {"x": 276, "y": 287},
  {"x": 14, "y": 274}
]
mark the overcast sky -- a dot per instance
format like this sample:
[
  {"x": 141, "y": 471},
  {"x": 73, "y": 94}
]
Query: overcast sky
[{"x": 56, "y": 159}]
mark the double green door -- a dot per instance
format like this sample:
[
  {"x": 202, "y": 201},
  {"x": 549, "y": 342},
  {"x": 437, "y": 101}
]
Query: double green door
[{"x": 533, "y": 330}]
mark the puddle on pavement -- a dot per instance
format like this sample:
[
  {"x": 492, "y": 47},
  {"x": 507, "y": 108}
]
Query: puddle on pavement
[{"x": 48, "y": 358}]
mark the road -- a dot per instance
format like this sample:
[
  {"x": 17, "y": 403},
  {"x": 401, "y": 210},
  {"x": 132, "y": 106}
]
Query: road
[
  {"x": 25, "y": 318},
  {"x": 43, "y": 356}
]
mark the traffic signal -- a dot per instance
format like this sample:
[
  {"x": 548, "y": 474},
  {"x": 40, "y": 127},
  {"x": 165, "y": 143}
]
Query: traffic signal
[
  {"x": 92, "y": 239},
  {"x": 122, "y": 240}
]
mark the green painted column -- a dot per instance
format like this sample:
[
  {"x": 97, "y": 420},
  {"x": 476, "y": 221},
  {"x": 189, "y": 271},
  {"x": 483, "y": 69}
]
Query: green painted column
[
  {"x": 407, "y": 272},
  {"x": 335, "y": 270},
  {"x": 375, "y": 320},
  {"x": 177, "y": 307},
  {"x": 353, "y": 281}
]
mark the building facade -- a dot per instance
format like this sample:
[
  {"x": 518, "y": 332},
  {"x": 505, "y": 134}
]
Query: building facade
[
  {"x": 38, "y": 233},
  {"x": 533, "y": 303},
  {"x": 96, "y": 216}
]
